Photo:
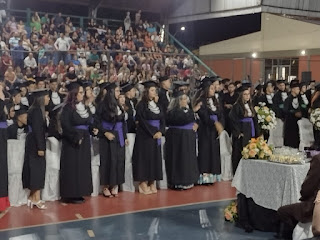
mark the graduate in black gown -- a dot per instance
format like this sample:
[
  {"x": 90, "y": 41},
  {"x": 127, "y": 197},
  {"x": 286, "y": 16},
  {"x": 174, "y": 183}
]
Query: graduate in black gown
[
  {"x": 110, "y": 120},
  {"x": 34, "y": 167},
  {"x": 15, "y": 98},
  {"x": 147, "y": 159},
  {"x": 293, "y": 113},
  {"x": 279, "y": 98},
  {"x": 180, "y": 147},
  {"x": 19, "y": 128},
  {"x": 245, "y": 125},
  {"x": 24, "y": 93},
  {"x": 258, "y": 93},
  {"x": 130, "y": 102},
  {"x": 228, "y": 100},
  {"x": 164, "y": 95},
  {"x": 315, "y": 103},
  {"x": 75, "y": 161},
  {"x": 89, "y": 99},
  {"x": 267, "y": 97},
  {"x": 311, "y": 90},
  {"x": 55, "y": 97},
  {"x": 4, "y": 200},
  {"x": 211, "y": 122}
]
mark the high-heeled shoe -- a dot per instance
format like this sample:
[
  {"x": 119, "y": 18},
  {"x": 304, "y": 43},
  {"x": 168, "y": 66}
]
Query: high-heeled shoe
[
  {"x": 106, "y": 193},
  {"x": 153, "y": 188},
  {"x": 39, "y": 205},
  {"x": 114, "y": 191}
]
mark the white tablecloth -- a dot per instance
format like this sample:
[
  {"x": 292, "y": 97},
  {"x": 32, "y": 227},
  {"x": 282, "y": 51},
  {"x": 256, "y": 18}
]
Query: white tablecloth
[{"x": 270, "y": 185}]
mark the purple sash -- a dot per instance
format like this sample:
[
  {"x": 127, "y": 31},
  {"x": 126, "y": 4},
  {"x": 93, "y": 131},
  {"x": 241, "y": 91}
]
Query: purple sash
[
  {"x": 82, "y": 127},
  {"x": 155, "y": 123},
  {"x": 250, "y": 120},
  {"x": 118, "y": 126},
  {"x": 214, "y": 118},
  {"x": 184, "y": 127},
  {"x": 3, "y": 125},
  {"x": 29, "y": 129}
]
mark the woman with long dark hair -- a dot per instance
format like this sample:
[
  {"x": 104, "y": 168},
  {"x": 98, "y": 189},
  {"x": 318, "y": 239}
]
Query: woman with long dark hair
[
  {"x": 75, "y": 161},
  {"x": 211, "y": 117},
  {"x": 180, "y": 147},
  {"x": 34, "y": 167},
  {"x": 112, "y": 140},
  {"x": 147, "y": 160},
  {"x": 4, "y": 200},
  {"x": 245, "y": 125}
]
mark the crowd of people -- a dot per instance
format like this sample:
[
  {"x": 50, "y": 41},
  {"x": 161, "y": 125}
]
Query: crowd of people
[{"x": 73, "y": 85}]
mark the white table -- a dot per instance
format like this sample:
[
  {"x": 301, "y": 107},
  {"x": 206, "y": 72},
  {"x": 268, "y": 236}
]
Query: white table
[{"x": 270, "y": 185}]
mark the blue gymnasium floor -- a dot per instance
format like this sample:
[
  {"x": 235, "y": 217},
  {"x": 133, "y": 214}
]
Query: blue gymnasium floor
[{"x": 191, "y": 222}]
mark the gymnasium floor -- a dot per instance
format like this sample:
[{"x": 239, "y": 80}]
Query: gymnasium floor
[{"x": 194, "y": 214}]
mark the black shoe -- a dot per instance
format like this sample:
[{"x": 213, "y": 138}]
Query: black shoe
[
  {"x": 248, "y": 228},
  {"x": 72, "y": 200}
]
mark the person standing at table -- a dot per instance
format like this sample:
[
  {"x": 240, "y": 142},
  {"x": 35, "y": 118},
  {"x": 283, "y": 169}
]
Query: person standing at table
[
  {"x": 245, "y": 125},
  {"x": 293, "y": 113},
  {"x": 210, "y": 119},
  {"x": 4, "y": 200},
  {"x": 147, "y": 159},
  {"x": 34, "y": 167},
  {"x": 180, "y": 147},
  {"x": 75, "y": 161},
  {"x": 112, "y": 140}
]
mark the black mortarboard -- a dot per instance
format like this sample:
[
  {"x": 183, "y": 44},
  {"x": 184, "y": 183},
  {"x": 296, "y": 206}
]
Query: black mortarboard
[
  {"x": 23, "y": 110},
  {"x": 39, "y": 92},
  {"x": 52, "y": 80},
  {"x": 259, "y": 87},
  {"x": 73, "y": 85},
  {"x": 312, "y": 81},
  {"x": 178, "y": 84},
  {"x": 103, "y": 85},
  {"x": 15, "y": 91},
  {"x": 243, "y": 88},
  {"x": 87, "y": 83},
  {"x": 294, "y": 84},
  {"x": 206, "y": 82},
  {"x": 29, "y": 82},
  {"x": 149, "y": 84},
  {"x": 163, "y": 78},
  {"x": 111, "y": 86},
  {"x": 126, "y": 87},
  {"x": 247, "y": 84},
  {"x": 23, "y": 84},
  {"x": 215, "y": 78},
  {"x": 304, "y": 84},
  {"x": 280, "y": 81},
  {"x": 317, "y": 87},
  {"x": 177, "y": 94},
  {"x": 40, "y": 79}
]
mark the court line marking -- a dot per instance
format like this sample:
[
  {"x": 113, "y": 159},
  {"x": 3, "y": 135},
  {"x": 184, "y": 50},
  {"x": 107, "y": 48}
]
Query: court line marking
[{"x": 115, "y": 214}]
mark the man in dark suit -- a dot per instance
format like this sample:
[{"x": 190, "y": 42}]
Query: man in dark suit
[{"x": 291, "y": 214}]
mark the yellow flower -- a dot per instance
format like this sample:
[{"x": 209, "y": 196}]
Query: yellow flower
[
  {"x": 265, "y": 108},
  {"x": 256, "y": 108},
  {"x": 252, "y": 146},
  {"x": 269, "y": 118},
  {"x": 234, "y": 209}
]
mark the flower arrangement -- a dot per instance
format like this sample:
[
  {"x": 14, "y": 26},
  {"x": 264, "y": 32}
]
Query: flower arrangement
[
  {"x": 315, "y": 118},
  {"x": 257, "y": 149},
  {"x": 231, "y": 212},
  {"x": 266, "y": 117}
]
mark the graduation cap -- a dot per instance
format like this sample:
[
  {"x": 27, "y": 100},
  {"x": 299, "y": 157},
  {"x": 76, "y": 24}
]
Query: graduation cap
[
  {"x": 164, "y": 78},
  {"x": 280, "y": 81},
  {"x": 40, "y": 92},
  {"x": 126, "y": 87},
  {"x": 15, "y": 91},
  {"x": 149, "y": 84},
  {"x": 178, "y": 84},
  {"x": 247, "y": 85},
  {"x": 317, "y": 87},
  {"x": 74, "y": 85},
  {"x": 40, "y": 79},
  {"x": 177, "y": 94},
  {"x": 23, "y": 84},
  {"x": 259, "y": 87},
  {"x": 23, "y": 110},
  {"x": 111, "y": 86},
  {"x": 87, "y": 83},
  {"x": 53, "y": 80},
  {"x": 313, "y": 81},
  {"x": 103, "y": 85},
  {"x": 29, "y": 82},
  {"x": 206, "y": 82},
  {"x": 294, "y": 83},
  {"x": 304, "y": 84}
]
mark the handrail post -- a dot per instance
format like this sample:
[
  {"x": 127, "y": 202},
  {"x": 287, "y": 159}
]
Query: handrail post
[
  {"x": 28, "y": 16},
  {"x": 81, "y": 22}
]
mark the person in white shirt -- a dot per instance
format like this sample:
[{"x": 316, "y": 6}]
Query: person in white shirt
[
  {"x": 187, "y": 62},
  {"x": 62, "y": 45},
  {"x": 31, "y": 62},
  {"x": 14, "y": 41}
]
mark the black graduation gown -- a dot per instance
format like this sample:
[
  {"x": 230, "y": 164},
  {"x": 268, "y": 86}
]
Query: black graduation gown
[
  {"x": 112, "y": 154},
  {"x": 263, "y": 99},
  {"x": 163, "y": 100},
  {"x": 291, "y": 129},
  {"x": 227, "y": 99},
  {"x": 34, "y": 167},
  {"x": 209, "y": 160},
  {"x": 13, "y": 131},
  {"x": 75, "y": 161},
  {"x": 147, "y": 159},
  {"x": 3, "y": 154},
  {"x": 131, "y": 116},
  {"x": 278, "y": 105},
  {"x": 237, "y": 113},
  {"x": 51, "y": 105},
  {"x": 316, "y": 133},
  {"x": 180, "y": 148}
]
